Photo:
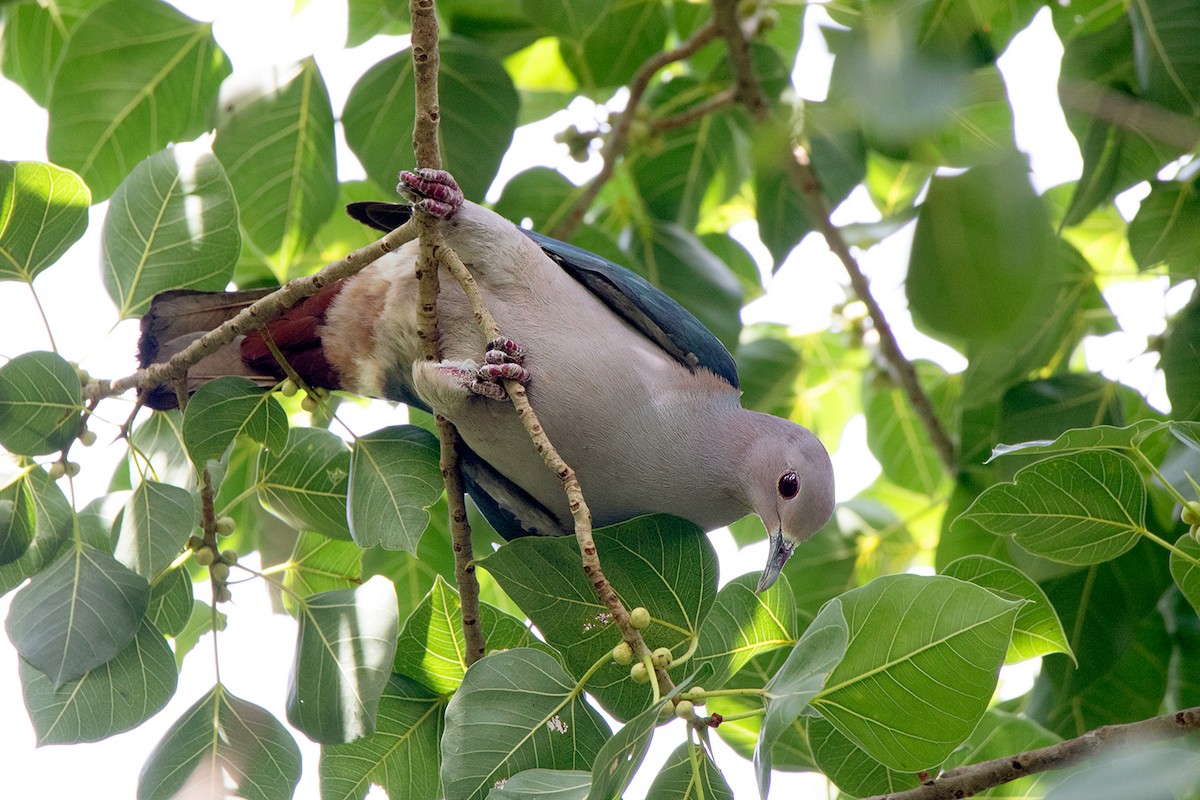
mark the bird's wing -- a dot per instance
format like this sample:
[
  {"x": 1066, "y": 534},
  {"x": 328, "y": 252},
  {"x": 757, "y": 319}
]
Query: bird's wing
[{"x": 630, "y": 296}]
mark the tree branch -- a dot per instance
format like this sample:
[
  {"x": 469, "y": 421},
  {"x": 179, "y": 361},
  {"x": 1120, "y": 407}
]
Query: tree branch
[
  {"x": 432, "y": 252},
  {"x": 618, "y": 141},
  {"x": 252, "y": 317},
  {"x": 969, "y": 780},
  {"x": 718, "y": 101},
  {"x": 1140, "y": 117},
  {"x": 800, "y": 170}
]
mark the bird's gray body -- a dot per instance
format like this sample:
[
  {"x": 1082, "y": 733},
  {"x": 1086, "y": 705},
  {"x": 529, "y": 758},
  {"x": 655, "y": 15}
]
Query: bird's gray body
[{"x": 635, "y": 423}]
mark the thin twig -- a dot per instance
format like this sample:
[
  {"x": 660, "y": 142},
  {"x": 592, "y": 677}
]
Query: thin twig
[
  {"x": 721, "y": 100},
  {"x": 805, "y": 179},
  {"x": 252, "y": 317},
  {"x": 618, "y": 140},
  {"x": 425, "y": 146},
  {"x": 968, "y": 780}
]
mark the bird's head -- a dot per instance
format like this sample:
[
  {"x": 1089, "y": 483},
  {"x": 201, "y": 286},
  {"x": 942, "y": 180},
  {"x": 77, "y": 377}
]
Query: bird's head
[{"x": 792, "y": 491}]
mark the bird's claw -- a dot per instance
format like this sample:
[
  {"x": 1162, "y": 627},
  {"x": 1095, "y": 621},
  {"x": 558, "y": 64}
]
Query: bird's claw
[
  {"x": 503, "y": 350},
  {"x": 433, "y": 191}
]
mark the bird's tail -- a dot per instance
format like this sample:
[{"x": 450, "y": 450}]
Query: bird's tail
[{"x": 178, "y": 318}]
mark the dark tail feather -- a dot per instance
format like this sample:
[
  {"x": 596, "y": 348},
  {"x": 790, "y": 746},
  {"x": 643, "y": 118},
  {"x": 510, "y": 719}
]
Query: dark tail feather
[
  {"x": 384, "y": 217},
  {"x": 178, "y": 318}
]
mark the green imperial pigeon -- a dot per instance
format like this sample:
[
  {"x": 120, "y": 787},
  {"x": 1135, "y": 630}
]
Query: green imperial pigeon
[{"x": 637, "y": 395}]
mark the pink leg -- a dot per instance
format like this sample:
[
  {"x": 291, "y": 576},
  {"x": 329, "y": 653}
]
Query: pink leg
[{"x": 433, "y": 191}]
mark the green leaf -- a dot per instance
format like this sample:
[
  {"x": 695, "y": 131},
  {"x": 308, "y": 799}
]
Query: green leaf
[
  {"x": 1081, "y": 508},
  {"x": 673, "y": 259},
  {"x": 782, "y": 216},
  {"x": 1131, "y": 688},
  {"x": 894, "y": 184},
  {"x": 945, "y": 642},
  {"x": 661, "y": 563},
  {"x": 33, "y": 41},
  {"x": 620, "y": 757},
  {"x": 1002, "y": 734},
  {"x": 230, "y": 406},
  {"x": 849, "y": 768},
  {"x": 395, "y": 477},
  {"x": 528, "y": 711},
  {"x": 1076, "y": 440},
  {"x": 402, "y": 754},
  {"x": 791, "y": 689},
  {"x": 320, "y": 564},
  {"x": 221, "y": 745},
  {"x": 1165, "y": 229},
  {"x": 54, "y": 521},
  {"x": 541, "y": 194},
  {"x": 43, "y": 211},
  {"x": 479, "y": 115},
  {"x": 171, "y": 602},
  {"x": 77, "y": 614},
  {"x": 606, "y": 43},
  {"x": 982, "y": 240},
  {"x": 276, "y": 143},
  {"x": 172, "y": 224},
  {"x": 1185, "y": 568},
  {"x": 1181, "y": 363},
  {"x": 544, "y": 784},
  {"x": 18, "y": 525},
  {"x": 1164, "y": 37},
  {"x": 134, "y": 76},
  {"x": 675, "y": 178},
  {"x": 114, "y": 697},
  {"x": 431, "y": 647},
  {"x": 898, "y": 438},
  {"x": 305, "y": 483},
  {"x": 155, "y": 526},
  {"x": 744, "y": 623},
  {"x": 40, "y": 401},
  {"x": 344, "y": 653},
  {"x": 680, "y": 780},
  {"x": 1038, "y": 630}
]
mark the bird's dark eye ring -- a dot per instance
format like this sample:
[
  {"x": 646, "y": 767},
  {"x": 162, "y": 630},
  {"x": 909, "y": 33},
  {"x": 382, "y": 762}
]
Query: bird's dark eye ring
[{"x": 789, "y": 484}]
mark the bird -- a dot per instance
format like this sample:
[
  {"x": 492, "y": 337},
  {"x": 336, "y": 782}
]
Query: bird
[{"x": 636, "y": 394}]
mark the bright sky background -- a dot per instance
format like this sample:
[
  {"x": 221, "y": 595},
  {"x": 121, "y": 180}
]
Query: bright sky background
[{"x": 256, "y": 649}]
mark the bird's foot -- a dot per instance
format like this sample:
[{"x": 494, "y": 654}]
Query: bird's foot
[
  {"x": 504, "y": 361},
  {"x": 433, "y": 191}
]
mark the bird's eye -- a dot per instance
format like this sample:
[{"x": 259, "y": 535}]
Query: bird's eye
[{"x": 789, "y": 484}]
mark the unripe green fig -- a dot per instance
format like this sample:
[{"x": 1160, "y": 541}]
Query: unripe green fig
[
  {"x": 661, "y": 658},
  {"x": 226, "y": 526},
  {"x": 639, "y": 673},
  {"x": 219, "y": 571},
  {"x": 639, "y": 617},
  {"x": 205, "y": 556},
  {"x": 288, "y": 388},
  {"x": 622, "y": 653},
  {"x": 685, "y": 709}
]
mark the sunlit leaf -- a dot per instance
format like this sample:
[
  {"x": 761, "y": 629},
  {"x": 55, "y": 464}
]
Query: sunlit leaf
[
  {"x": 172, "y": 224},
  {"x": 40, "y": 401},
  {"x": 134, "y": 76},
  {"x": 53, "y": 523},
  {"x": 320, "y": 564},
  {"x": 934, "y": 647},
  {"x": 402, "y": 754},
  {"x": 1185, "y": 568},
  {"x": 544, "y": 784},
  {"x": 344, "y": 653},
  {"x": 531, "y": 714},
  {"x": 43, "y": 211},
  {"x": 276, "y": 143},
  {"x": 1081, "y": 508},
  {"x": 1038, "y": 630},
  {"x": 33, "y": 41},
  {"x": 431, "y": 648},
  {"x": 848, "y": 767},
  {"x": 744, "y": 623}
]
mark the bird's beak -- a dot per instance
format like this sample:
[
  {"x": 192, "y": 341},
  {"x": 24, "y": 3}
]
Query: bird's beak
[{"x": 779, "y": 550}]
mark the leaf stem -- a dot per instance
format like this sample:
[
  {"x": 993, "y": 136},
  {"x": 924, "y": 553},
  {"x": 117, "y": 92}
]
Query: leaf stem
[{"x": 37, "y": 301}]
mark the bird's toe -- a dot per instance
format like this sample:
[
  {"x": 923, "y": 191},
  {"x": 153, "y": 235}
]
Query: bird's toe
[{"x": 433, "y": 191}]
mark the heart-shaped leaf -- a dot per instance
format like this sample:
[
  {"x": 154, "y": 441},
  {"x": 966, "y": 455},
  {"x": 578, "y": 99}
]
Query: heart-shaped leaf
[{"x": 394, "y": 478}]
